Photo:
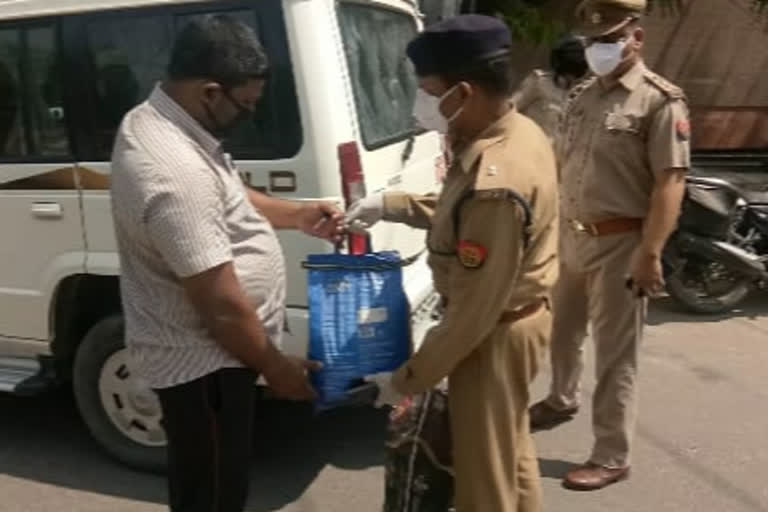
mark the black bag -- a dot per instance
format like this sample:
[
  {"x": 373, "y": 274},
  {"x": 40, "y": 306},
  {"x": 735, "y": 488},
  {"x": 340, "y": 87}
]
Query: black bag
[
  {"x": 419, "y": 473},
  {"x": 707, "y": 211}
]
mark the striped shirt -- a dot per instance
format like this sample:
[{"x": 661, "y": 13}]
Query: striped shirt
[{"x": 180, "y": 209}]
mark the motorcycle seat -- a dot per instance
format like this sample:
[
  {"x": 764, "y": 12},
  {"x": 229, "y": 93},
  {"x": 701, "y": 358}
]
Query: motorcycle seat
[{"x": 755, "y": 196}]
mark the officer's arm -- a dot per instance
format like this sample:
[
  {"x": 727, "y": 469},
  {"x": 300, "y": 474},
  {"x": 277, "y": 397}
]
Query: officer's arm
[
  {"x": 526, "y": 94},
  {"x": 411, "y": 209},
  {"x": 491, "y": 229},
  {"x": 669, "y": 154}
]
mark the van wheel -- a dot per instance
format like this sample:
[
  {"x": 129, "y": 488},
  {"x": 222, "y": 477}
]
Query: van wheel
[{"x": 122, "y": 413}]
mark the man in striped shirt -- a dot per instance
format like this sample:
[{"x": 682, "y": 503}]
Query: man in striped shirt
[{"x": 203, "y": 276}]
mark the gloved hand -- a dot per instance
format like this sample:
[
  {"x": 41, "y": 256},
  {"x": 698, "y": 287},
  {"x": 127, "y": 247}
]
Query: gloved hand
[
  {"x": 366, "y": 212},
  {"x": 388, "y": 395}
]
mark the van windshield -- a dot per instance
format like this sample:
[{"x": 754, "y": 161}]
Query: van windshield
[{"x": 382, "y": 76}]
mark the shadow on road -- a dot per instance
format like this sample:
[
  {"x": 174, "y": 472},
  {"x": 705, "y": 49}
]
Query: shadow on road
[
  {"x": 42, "y": 439},
  {"x": 555, "y": 469},
  {"x": 665, "y": 310}
]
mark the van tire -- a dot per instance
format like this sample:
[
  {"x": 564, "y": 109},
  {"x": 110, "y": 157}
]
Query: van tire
[{"x": 102, "y": 345}]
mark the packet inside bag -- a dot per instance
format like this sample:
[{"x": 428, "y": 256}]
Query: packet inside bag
[{"x": 419, "y": 473}]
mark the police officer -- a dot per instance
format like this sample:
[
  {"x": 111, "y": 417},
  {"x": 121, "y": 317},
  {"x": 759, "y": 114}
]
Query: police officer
[
  {"x": 623, "y": 151},
  {"x": 492, "y": 249},
  {"x": 542, "y": 93}
]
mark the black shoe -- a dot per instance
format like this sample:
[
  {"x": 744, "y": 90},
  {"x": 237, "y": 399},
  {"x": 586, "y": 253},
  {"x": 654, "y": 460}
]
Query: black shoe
[{"x": 544, "y": 416}]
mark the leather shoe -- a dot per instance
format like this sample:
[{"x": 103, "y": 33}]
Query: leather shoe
[
  {"x": 591, "y": 477},
  {"x": 544, "y": 415}
]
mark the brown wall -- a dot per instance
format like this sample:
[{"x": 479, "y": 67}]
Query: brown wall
[{"x": 717, "y": 50}]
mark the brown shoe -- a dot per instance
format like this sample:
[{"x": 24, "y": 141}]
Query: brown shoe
[
  {"x": 591, "y": 477},
  {"x": 544, "y": 415}
]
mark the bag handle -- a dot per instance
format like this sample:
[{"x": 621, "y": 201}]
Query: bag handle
[{"x": 371, "y": 268}]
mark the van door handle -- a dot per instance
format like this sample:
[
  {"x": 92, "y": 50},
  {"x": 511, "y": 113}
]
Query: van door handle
[{"x": 47, "y": 210}]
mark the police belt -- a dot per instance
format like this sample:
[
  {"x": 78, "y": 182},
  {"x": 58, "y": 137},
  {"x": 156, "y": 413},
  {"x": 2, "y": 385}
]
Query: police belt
[
  {"x": 607, "y": 227},
  {"x": 510, "y": 317}
]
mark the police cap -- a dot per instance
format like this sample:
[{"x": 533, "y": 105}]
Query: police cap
[
  {"x": 457, "y": 43},
  {"x": 601, "y": 17}
]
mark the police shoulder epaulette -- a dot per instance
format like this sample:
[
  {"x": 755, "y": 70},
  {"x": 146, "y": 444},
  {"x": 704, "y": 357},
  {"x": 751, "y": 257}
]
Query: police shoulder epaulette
[
  {"x": 578, "y": 89},
  {"x": 574, "y": 93},
  {"x": 668, "y": 88}
]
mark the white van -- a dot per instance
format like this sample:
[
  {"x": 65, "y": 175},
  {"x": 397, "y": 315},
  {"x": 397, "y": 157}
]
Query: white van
[{"x": 334, "y": 123}]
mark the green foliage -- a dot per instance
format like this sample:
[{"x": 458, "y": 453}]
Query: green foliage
[{"x": 530, "y": 23}]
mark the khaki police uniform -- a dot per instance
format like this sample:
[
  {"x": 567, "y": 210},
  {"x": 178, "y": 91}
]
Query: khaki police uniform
[
  {"x": 613, "y": 143},
  {"x": 492, "y": 249},
  {"x": 539, "y": 98}
]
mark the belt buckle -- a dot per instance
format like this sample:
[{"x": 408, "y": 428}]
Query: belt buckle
[{"x": 580, "y": 227}]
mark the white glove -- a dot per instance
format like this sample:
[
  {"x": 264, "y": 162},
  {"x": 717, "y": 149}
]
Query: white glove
[
  {"x": 366, "y": 212},
  {"x": 388, "y": 395}
]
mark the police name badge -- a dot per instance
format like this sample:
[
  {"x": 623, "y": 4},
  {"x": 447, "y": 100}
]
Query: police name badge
[{"x": 618, "y": 121}]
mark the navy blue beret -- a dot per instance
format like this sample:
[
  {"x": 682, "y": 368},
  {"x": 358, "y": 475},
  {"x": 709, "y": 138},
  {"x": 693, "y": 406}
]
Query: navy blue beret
[{"x": 457, "y": 43}]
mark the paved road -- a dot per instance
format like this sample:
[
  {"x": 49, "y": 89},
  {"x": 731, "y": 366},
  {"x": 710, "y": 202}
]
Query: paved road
[{"x": 702, "y": 442}]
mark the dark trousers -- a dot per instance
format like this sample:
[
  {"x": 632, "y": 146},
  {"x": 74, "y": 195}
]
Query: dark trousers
[{"x": 208, "y": 423}]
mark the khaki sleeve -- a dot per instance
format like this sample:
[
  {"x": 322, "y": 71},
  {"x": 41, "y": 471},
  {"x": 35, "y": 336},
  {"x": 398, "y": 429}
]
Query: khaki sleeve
[
  {"x": 477, "y": 295},
  {"x": 669, "y": 144},
  {"x": 411, "y": 209},
  {"x": 527, "y": 93},
  {"x": 560, "y": 139}
]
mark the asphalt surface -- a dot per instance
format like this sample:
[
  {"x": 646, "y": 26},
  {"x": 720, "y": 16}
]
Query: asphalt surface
[{"x": 702, "y": 440}]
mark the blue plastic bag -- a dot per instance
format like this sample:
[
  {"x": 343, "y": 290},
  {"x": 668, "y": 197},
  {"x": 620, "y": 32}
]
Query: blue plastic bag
[{"x": 359, "y": 320}]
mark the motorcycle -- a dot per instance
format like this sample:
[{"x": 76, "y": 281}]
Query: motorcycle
[{"x": 720, "y": 249}]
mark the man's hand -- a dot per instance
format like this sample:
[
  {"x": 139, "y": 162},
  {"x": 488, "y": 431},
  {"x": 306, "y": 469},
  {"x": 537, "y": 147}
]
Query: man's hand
[
  {"x": 321, "y": 220},
  {"x": 289, "y": 378},
  {"x": 364, "y": 213},
  {"x": 388, "y": 395},
  {"x": 646, "y": 277}
]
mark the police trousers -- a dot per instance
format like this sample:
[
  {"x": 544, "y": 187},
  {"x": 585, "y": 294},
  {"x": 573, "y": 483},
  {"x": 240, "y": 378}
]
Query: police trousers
[
  {"x": 208, "y": 423},
  {"x": 592, "y": 290},
  {"x": 494, "y": 459}
]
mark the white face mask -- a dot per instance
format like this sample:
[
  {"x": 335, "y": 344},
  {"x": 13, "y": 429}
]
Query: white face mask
[
  {"x": 604, "y": 58},
  {"x": 426, "y": 110}
]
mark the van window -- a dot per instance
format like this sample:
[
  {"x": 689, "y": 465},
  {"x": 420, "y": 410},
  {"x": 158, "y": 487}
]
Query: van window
[
  {"x": 382, "y": 76},
  {"x": 31, "y": 107},
  {"x": 126, "y": 68}
]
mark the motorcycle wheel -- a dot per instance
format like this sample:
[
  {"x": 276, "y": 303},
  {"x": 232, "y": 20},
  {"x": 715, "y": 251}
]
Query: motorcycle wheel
[{"x": 706, "y": 287}]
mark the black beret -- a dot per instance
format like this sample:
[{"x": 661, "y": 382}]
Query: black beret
[{"x": 457, "y": 43}]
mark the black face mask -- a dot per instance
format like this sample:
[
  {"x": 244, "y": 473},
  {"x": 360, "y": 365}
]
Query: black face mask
[{"x": 224, "y": 130}]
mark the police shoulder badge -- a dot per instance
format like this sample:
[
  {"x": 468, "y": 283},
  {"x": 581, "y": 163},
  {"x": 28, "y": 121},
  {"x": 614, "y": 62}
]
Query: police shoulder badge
[
  {"x": 683, "y": 129},
  {"x": 471, "y": 254}
]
